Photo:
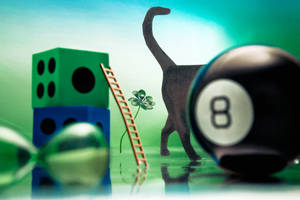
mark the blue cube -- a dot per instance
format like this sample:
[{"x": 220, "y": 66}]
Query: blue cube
[
  {"x": 43, "y": 184},
  {"x": 48, "y": 120}
]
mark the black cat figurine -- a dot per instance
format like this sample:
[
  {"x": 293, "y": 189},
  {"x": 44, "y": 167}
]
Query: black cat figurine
[{"x": 175, "y": 86}]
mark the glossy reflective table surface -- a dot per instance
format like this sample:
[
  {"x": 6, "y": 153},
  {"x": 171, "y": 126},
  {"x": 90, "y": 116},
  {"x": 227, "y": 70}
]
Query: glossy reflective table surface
[{"x": 167, "y": 177}]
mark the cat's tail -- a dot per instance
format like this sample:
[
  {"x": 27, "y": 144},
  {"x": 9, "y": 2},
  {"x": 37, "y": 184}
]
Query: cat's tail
[{"x": 162, "y": 58}]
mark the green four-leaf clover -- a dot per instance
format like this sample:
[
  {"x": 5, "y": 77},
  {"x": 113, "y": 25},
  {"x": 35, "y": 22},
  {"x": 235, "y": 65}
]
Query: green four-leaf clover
[{"x": 142, "y": 101}]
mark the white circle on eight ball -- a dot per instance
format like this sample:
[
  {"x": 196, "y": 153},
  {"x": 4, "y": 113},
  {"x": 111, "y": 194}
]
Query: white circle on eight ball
[{"x": 224, "y": 112}]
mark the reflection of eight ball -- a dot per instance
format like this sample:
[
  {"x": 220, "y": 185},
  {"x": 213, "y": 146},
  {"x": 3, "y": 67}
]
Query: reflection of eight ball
[{"x": 244, "y": 109}]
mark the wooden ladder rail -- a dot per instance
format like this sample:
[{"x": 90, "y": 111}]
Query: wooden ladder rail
[{"x": 133, "y": 134}]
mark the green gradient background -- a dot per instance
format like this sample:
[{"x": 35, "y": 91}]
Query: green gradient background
[{"x": 193, "y": 33}]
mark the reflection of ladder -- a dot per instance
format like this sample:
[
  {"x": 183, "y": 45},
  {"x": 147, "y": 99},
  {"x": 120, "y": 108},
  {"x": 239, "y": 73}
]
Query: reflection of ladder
[
  {"x": 127, "y": 116},
  {"x": 140, "y": 178}
]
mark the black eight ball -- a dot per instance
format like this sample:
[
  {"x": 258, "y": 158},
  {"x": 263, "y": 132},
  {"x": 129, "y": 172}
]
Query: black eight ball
[{"x": 244, "y": 109}]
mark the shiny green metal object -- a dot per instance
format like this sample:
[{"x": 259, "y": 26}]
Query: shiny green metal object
[
  {"x": 78, "y": 154},
  {"x": 17, "y": 156}
]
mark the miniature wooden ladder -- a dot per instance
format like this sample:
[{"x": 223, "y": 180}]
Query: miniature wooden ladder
[{"x": 127, "y": 116}]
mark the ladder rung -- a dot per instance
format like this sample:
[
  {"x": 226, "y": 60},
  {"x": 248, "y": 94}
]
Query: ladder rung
[
  {"x": 108, "y": 70},
  {"x": 111, "y": 77},
  {"x": 137, "y": 145},
  {"x": 134, "y": 131},
  {"x": 142, "y": 159},
  {"x": 125, "y": 107},
  {"x": 114, "y": 83},
  {"x": 122, "y": 101},
  {"x": 117, "y": 89},
  {"x": 120, "y": 95},
  {"x": 135, "y": 138},
  {"x": 131, "y": 125},
  {"x": 139, "y": 152},
  {"x": 127, "y": 113}
]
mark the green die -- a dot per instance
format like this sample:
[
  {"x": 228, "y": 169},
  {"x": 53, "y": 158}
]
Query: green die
[{"x": 67, "y": 77}]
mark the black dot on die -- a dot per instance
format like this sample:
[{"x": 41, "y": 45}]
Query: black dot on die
[
  {"x": 51, "y": 89},
  {"x": 83, "y": 80},
  {"x": 46, "y": 181},
  {"x": 51, "y": 65},
  {"x": 41, "y": 67},
  {"x": 99, "y": 125},
  {"x": 48, "y": 126},
  {"x": 40, "y": 90},
  {"x": 69, "y": 121}
]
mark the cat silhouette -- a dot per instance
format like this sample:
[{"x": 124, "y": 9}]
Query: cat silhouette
[{"x": 176, "y": 83}]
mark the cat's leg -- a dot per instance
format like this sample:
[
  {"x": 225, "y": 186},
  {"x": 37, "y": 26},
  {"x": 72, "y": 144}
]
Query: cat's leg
[
  {"x": 166, "y": 131},
  {"x": 184, "y": 134},
  {"x": 186, "y": 142}
]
